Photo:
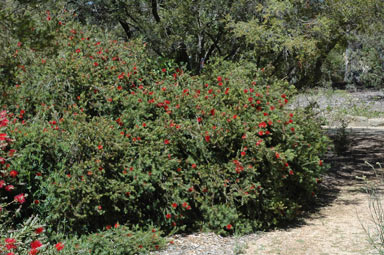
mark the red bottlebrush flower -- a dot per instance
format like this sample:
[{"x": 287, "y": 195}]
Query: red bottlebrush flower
[
  {"x": 283, "y": 96},
  {"x": 144, "y": 124},
  {"x": 95, "y": 64},
  {"x": 199, "y": 119},
  {"x": 121, "y": 76},
  {"x": 277, "y": 155},
  {"x": 13, "y": 173},
  {"x": 163, "y": 70},
  {"x": 36, "y": 244},
  {"x": 290, "y": 172},
  {"x": 3, "y": 136},
  {"x": 263, "y": 125},
  {"x": 185, "y": 205},
  {"x": 20, "y": 198},
  {"x": 193, "y": 165},
  {"x": 10, "y": 243},
  {"x": 219, "y": 78},
  {"x": 100, "y": 147},
  {"x": 2, "y": 184},
  {"x": 39, "y": 230},
  {"x": 10, "y": 240},
  {"x": 59, "y": 246},
  {"x": 291, "y": 115},
  {"x": 261, "y": 133},
  {"x": 36, "y": 202},
  {"x": 116, "y": 225},
  {"x": 235, "y": 116},
  {"x": 11, "y": 152},
  {"x": 320, "y": 164},
  {"x": 207, "y": 138},
  {"x": 243, "y": 153},
  {"x": 229, "y": 226},
  {"x": 174, "y": 205},
  {"x": 166, "y": 141},
  {"x": 9, "y": 187},
  {"x": 78, "y": 50},
  {"x": 33, "y": 252},
  {"x": 108, "y": 227},
  {"x": 213, "y": 112},
  {"x": 168, "y": 216}
]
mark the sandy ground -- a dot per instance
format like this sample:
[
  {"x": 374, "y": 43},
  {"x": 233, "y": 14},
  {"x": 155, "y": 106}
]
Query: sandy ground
[{"x": 336, "y": 227}]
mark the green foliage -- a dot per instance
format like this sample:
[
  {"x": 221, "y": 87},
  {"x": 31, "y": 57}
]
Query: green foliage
[
  {"x": 103, "y": 135},
  {"x": 119, "y": 240},
  {"x": 31, "y": 238},
  {"x": 121, "y": 142},
  {"x": 187, "y": 31},
  {"x": 294, "y": 38},
  {"x": 368, "y": 60}
]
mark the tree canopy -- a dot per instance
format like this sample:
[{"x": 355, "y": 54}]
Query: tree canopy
[{"x": 292, "y": 39}]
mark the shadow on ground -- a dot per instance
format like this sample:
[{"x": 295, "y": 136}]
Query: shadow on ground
[{"x": 364, "y": 145}]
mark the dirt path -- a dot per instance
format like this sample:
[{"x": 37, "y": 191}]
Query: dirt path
[{"x": 336, "y": 226}]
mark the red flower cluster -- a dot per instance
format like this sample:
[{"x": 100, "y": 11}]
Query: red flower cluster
[{"x": 20, "y": 198}]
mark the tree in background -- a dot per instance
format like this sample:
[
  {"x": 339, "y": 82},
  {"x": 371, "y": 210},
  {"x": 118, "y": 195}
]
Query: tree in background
[
  {"x": 189, "y": 31},
  {"x": 364, "y": 57},
  {"x": 293, "y": 38}
]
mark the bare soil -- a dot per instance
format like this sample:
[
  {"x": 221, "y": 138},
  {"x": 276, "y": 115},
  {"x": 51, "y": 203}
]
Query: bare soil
[{"x": 335, "y": 226}]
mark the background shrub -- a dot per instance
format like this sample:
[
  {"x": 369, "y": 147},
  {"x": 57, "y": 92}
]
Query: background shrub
[{"x": 103, "y": 136}]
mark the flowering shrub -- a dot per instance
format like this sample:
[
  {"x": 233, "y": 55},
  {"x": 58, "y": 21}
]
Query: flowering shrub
[{"x": 104, "y": 136}]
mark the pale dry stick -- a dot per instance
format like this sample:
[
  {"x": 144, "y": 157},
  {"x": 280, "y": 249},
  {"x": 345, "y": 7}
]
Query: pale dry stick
[{"x": 376, "y": 212}]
